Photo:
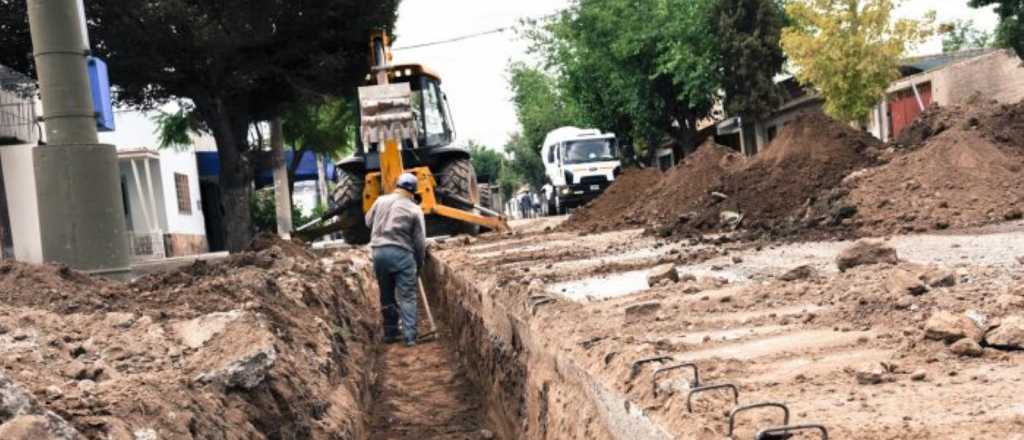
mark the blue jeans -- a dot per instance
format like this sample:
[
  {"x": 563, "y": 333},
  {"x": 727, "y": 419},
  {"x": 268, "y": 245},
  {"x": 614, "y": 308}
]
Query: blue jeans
[{"x": 396, "y": 276}]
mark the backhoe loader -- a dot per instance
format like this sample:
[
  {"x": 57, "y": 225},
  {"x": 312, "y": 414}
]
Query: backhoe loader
[{"x": 405, "y": 126}]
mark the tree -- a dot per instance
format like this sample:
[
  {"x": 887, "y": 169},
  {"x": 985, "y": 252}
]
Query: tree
[
  {"x": 524, "y": 162},
  {"x": 646, "y": 69},
  {"x": 1010, "y": 32},
  {"x": 486, "y": 162},
  {"x": 961, "y": 35},
  {"x": 236, "y": 61},
  {"x": 751, "y": 56},
  {"x": 540, "y": 105},
  {"x": 849, "y": 50}
]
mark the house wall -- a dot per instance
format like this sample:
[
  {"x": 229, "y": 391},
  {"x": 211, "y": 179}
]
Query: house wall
[
  {"x": 136, "y": 201},
  {"x": 20, "y": 183},
  {"x": 186, "y": 233}
]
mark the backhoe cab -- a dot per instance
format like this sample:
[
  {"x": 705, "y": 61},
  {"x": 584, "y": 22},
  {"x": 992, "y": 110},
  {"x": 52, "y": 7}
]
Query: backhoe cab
[{"x": 406, "y": 126}]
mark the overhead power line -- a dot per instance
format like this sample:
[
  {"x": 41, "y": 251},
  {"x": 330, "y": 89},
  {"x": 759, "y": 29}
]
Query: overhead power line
[{"x": 477, "y": 34}]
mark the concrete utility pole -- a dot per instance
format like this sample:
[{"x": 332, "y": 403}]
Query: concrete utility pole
[
  {"x": 81, "y": 210},
  {"x": 282, "y": 196}
]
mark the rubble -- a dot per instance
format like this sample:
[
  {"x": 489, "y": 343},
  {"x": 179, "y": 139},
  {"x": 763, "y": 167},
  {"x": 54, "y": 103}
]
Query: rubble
[
  {"x": 1009, "y": 334},
  {"x": 266, "y": 344},
  {"x": 665, "y": 272},
  {"x": 947, "y": 327},
  {"x": 866, "y": 252},
  {"x": 967, "y": 347},
  {"x": 798, "y": 273}
]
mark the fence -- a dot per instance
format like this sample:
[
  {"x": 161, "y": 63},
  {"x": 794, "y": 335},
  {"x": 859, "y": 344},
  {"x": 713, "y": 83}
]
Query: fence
[
  {"x": 17, "y": 108},
  {"x": 147, "y": 246}
]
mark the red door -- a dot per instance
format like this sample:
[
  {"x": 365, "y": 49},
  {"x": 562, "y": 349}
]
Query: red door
[{"x": 904, "y": 109}]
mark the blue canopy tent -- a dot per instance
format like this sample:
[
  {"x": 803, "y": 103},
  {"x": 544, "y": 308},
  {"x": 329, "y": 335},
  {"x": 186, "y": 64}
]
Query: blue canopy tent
[{"x": 209, "y": 166}]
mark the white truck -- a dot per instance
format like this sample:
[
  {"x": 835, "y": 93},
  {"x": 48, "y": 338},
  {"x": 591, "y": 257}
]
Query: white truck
[{"x": 579, "y": 164}]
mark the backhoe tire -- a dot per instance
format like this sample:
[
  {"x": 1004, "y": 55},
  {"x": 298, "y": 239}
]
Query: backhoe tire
[
  {"x": 455, "y": 178},
  {"x": 348, "y": 195}
]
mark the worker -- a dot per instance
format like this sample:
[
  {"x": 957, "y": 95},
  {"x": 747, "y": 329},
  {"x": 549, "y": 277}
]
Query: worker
[{"x": 398, "y": 239}]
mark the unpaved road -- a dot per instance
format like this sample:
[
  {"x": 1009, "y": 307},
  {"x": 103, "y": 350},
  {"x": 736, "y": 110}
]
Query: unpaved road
[{"x": 806, "y": 343}]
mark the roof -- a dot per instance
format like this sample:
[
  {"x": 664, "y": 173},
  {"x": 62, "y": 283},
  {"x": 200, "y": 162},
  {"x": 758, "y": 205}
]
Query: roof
[{"x": 928, "y": 63}]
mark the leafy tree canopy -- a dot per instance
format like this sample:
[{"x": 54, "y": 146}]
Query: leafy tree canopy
[
  {"x": 1010, "y": 32},
  {"x": 849, "y": 50},
  {"x": 486, "y": 162},
  {"x": 237, "y": 61},
  {"x": 645, "y": 69},
  {"x": 750, "y": 54},
  {"x": 540, "y": 105},
  {"x": 963, "y": 34}
]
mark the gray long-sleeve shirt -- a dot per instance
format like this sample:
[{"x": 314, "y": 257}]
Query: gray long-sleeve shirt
[{"x": 396, "y": 220}]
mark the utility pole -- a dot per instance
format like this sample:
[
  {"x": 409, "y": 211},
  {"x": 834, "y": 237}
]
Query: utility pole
[
  {"x": 282, "y": 195},
  {"x": 81, "y": 210}
]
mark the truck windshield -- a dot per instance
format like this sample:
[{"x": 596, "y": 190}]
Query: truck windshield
[{"x": 596, "y": 150}]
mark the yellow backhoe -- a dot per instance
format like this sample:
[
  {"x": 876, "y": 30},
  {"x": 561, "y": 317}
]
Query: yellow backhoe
[{"x": 405, "y": 126}]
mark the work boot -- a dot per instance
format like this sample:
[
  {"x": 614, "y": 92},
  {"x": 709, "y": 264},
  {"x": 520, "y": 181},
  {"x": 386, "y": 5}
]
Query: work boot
[{"x": 410, "y": 343}]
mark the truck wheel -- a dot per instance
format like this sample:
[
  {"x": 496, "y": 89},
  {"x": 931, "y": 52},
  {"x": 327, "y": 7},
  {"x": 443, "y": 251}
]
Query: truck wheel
[
  {"x": 456, "y": 179},
  {"x": 349, "y": 196}
]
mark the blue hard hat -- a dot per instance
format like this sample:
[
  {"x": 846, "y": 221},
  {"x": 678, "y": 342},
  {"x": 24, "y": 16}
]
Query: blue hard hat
[{"x": 408, "y": 182}]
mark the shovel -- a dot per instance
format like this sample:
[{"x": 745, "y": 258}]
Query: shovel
[{"x": 432, "y": 334}]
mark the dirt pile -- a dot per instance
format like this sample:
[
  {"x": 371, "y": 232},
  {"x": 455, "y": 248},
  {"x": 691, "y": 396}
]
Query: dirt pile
[
  {"x": 272, "y": 343},
  {"x": 794, "y": 185},
  {"x": 648, "y": 198},
  {"x": 609, "y": 212},
  {"x": 956, "y": 167}
]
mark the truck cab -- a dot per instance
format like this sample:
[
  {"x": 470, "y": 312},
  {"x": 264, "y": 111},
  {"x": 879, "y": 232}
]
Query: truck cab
[{"x": 579, "y": 165}]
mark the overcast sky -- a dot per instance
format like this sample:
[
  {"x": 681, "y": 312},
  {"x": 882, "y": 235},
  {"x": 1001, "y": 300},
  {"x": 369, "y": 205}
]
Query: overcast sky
[{"x": 474, "y": 70}]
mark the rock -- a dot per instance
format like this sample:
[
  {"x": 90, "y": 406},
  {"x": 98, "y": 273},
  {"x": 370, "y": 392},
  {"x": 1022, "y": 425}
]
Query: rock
[
  {"x": 196, "y": 332},
  {"x": 1009, "y": 334},
  {"x": 947, "y": 327},
  {"x": 54, "y": 392},
  {"x": 799, "y": 273},
  {"x": 904, "y": 283},
  {"x": 246, "y": 372},
  {"x": 121, "y": 320},
  {"x": 939, "y": 278},
  {"x": 486, "y": 434},
  {"x": 1014, "y": 214},
  {"x": 145, "y": 434},
  {"x": 663, "y": 272},
  {"x": 870, "y": 377},
  {"x": 639, "y": 312},
  {"x": 967, "y": 347},
  {"x": 737, "y": 260},
  {"x": 29, "y": 421},
  {"x": 76, "y": 370},
  {"x": 918, "y": 376},
  {"x": 866, "y": 252}
]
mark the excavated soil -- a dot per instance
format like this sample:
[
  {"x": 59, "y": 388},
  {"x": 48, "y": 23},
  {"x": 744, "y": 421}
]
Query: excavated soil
[
  {"x": 273, "y": 343},
  {"x": 849, "y": 350},
  {"x": 956, "y": 167},
  {"x": 649, "y": 198}
]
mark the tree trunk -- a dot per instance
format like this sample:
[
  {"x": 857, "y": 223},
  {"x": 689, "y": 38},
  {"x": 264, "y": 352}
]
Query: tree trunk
[
  {"x": 282, "y": 189},
  {"x": 229, "y": 127}
]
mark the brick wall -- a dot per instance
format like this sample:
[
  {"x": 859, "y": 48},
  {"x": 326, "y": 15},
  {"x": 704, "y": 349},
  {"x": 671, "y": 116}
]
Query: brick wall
[{"x": 183, "y": 245}]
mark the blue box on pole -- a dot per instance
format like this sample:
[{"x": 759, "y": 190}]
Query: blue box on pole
[{"x": 99, "y": 82}]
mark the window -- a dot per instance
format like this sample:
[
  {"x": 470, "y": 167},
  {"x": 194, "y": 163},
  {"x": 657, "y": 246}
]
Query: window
[{"x": 184, "y": 195}]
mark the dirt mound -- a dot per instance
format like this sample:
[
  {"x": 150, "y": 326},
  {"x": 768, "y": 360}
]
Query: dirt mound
[
  {"x": 608, "y": 212},
  {"x": 966, "y": 172},
  {"x": 267, "y": 344},
  {"x": 648, "y": 198},
  {"x": 794, "y": 184}
]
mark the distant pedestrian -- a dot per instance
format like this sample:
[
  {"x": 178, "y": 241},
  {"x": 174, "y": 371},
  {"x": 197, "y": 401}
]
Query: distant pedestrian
[{"x": 398, "y": 239}]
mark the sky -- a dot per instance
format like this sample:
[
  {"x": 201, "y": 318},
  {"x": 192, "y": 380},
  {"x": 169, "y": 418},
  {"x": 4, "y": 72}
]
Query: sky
[{"x": 474, "y": 70}]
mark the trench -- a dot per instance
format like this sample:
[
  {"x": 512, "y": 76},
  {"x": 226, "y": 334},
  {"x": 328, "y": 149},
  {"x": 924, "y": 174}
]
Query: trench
[{"x": 524, "y": 391}]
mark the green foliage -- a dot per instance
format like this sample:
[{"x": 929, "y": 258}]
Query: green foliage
[
  {"x": 264, "y": 212},
  {"x": 849, "y": 50},
  {"x": 540, "y": 105},
  {"x": 750, "y": 54},
  {"x": 174, "y": 130},
  {"x": 325, "y": 127},
  {"x": 645, "y": 69},
  {"x": 961, "y": 35},
  {"x": 486, "y": 162},
  {"x": 524, "y": 163},
  {"x": 1010, "y": 33}
]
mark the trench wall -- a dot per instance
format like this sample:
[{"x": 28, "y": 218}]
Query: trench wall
[{"x": 531, "y": 392}]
